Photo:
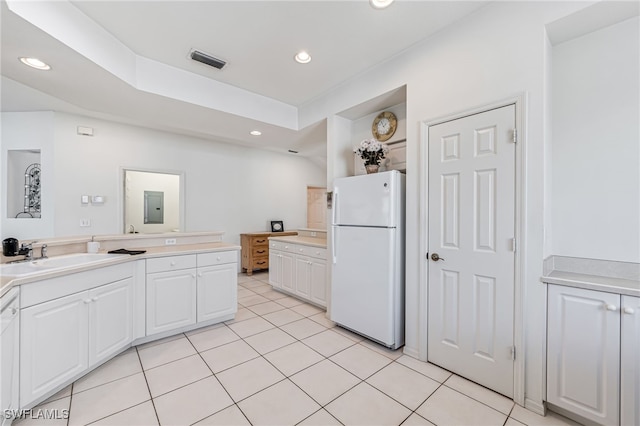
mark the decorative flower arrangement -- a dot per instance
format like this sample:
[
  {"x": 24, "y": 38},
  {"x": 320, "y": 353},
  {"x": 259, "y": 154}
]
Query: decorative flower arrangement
[{"x": 371, "y": 151}]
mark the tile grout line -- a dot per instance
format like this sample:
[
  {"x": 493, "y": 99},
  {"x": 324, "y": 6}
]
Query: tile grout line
[{"x": 144, "y": 374}]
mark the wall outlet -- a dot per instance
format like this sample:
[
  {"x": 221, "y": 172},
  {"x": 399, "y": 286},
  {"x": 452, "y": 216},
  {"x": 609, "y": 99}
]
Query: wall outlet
[
  {"x": 314, "y": 234},
  {"x": 170, "y": 242},
  {"x": 85, "y": 222}
]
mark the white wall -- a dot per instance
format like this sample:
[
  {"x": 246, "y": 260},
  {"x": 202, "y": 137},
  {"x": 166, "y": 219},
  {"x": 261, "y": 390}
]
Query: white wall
[
  {"x": 497, "y": 53},
  {"x": 596, "y": 145},
  {"x": 228, "y": 188}
]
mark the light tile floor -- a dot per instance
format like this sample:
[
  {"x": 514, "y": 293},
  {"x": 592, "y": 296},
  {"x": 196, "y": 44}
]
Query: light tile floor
[{"x": 279, "y": 362}]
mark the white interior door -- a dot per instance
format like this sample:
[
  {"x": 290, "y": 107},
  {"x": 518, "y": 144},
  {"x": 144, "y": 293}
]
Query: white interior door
[
  {"x": 471, "y": 230},
  {"x": 316, "y": 208}
]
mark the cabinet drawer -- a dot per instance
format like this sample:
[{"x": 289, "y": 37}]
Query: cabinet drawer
[
  {"x": 260, "y": 262},
  {"x": 171, "y": 263},
  {"x": 260, "y": 251},
  {"x": 282, "y": 246},
  {"x": 259, "y": 241},
  {"x": 217, "y": 258},
  {"x": 318, "y": 252}
]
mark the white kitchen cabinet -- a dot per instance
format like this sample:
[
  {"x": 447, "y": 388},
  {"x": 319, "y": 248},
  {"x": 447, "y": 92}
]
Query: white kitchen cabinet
[
  {"x": 319, "y": 282},
  {"x": 303, "y": 277},
  {"x": 9, "y": 354},
  {"x": 110, "y": 320},
  {"x": 189, "y": 289},
  {"x": 630, "y": 361},
  {"x": 300, "y": 270},
  {"x": 275, "y": 267},
  {"x": 63, "y": 337},
  {"x": 217, "y": 291},
  {"x": 281, "y": 266},
  {"x": 288, "y": 271},
  {"x": 593, "y": 342},
  {"x": 54, "y": 342},
  {"x": 171, "y": 300}
]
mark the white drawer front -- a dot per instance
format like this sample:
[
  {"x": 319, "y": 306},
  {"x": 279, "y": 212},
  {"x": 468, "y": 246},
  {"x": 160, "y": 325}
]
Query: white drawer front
[
  {"x": 311, "y": 251},
  {"x": 217, "y": 258},
  {"x": 171, "y": 263},
  {"x": 282, "y": 246}
]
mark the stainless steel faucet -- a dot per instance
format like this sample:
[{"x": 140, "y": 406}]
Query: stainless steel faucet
[
  {"x": 43, "y": 251},
  {"x": 27, "y": 250}
]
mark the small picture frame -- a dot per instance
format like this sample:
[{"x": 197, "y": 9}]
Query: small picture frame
[{"x": 277, "y": 226}]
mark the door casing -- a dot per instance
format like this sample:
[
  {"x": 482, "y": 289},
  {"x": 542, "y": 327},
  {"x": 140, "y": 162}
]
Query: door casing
[{"x": 519, "y": 100}]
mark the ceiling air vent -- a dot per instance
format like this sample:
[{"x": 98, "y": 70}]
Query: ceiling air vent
[{"x": 208, "y": 60}]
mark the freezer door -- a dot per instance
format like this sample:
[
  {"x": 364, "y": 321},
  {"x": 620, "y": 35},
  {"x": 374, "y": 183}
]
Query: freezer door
[
  {"x": 363, "y": 294},
  {"x": 367, "y": 200}
]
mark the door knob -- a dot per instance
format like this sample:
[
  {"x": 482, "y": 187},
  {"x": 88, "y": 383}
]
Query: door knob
[{"x": 435, "y": 257}]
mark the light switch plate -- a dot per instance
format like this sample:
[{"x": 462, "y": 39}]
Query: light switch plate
[
  {"x": 85, "y": 222},
  {"x": 84, "y": 199}
]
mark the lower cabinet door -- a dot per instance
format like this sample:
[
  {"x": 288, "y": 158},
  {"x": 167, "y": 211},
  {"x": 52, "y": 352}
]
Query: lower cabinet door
[
  {"x": 9, "y": 353},
  {"x": 53, "y": 345},
  {"x": 318, "y": 282},
  {"x": 171, "y": 300},
  {"x": 583, "y": 352},
  {"x": 630, "y": 361},
  {"x": 110, "y": 319},
  {"x": 288, "y": 269},
  {"x": 217, "y": 291},
  {"x": 275, "y": 268},
  {"x": 303, "y": 275}
]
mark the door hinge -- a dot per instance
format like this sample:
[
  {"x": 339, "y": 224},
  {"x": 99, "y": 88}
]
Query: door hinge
[
  {"x": 513, "y": 353},
  {"x": 514, "y": 245},
  {"x": 515, "y": 135}
]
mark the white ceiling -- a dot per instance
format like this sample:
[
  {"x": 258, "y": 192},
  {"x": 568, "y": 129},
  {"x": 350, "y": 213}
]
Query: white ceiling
[{"x": 128, "y": 61}]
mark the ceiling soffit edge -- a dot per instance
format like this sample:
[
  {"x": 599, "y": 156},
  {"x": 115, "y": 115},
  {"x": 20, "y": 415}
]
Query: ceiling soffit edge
[{"x": 64, "y": 22}]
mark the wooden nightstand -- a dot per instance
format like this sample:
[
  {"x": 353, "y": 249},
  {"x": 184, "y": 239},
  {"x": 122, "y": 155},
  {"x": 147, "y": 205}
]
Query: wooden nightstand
[{"x": 255, "y": 249}]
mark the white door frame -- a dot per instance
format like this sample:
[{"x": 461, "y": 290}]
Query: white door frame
[{"x": 520, "y": 102}]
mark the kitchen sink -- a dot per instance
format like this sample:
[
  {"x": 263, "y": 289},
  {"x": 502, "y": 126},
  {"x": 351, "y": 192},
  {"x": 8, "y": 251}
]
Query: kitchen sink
[{"x": 39, "y": 266}]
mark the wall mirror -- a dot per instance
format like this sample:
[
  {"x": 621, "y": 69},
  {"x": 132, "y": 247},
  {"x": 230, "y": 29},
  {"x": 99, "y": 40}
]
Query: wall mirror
[
  {"x": 153, "y": 201},
  {"x": 24, "y": 184}
]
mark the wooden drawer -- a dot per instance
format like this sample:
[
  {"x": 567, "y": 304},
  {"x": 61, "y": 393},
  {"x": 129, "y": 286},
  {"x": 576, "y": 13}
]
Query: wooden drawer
[
  {"x": 171, "y": 263},
  {"x": 259, "y": 241},
  {"x": 318, "y": 252},
  {"x": 260, "y": 251},
  {"x": 217, "y": 258},
  {"x": 260, "y": 262}
]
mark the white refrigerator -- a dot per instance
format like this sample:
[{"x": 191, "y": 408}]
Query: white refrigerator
[{"x": 367, "y": 252}]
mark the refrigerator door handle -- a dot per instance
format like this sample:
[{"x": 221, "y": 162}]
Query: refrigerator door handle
[
  {"x": 334, "y": 211},
  {"x": 333, "y": 244}
]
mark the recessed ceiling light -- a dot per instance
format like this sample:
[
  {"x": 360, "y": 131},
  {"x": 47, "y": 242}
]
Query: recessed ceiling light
[
  {"x": 380, "y": 4},
  {"x": 256, "y": 132},
  {"x": 302, "y": 57},
  {"x": 35, "y": 63}
]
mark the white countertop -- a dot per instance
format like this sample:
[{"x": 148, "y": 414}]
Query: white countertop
[
  {"x": 307, "y": 241},
  {"x": 7, "y": 282},
  {"x": 593, "y": 282}
]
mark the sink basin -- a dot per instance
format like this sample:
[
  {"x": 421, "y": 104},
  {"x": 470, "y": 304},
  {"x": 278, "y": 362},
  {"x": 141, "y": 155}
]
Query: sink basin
[{"x": 54, "y": 263}]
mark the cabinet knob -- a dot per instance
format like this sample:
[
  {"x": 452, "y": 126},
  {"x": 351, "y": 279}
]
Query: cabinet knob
[
  {"x": 94, "y": 299},
  {"x": 200, "y": 274},
  {"x": 87, "y": 301},
  {"x": 286, "y": 247},
  {"x": 13, "y": 311},
  {"x": 218, "y": 258},
  {"x": 611, "y": 307},
  {"x": 193, "y": 275},
  {"x": 628, "y": 311},
  {"x": 173, "y": 264}
]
